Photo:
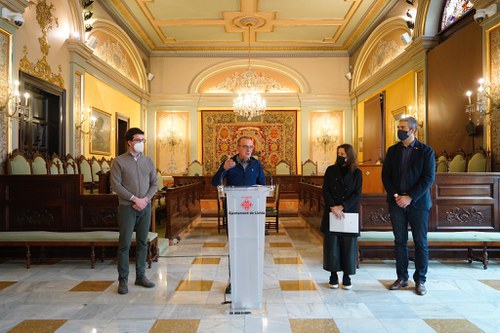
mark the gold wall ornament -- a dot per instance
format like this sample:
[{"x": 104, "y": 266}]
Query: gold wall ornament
[{"x": 42, "y": 70}]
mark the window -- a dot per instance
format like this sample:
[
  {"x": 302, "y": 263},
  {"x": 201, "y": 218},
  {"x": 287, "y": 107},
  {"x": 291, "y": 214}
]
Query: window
[{"x": 453, "y": 10}]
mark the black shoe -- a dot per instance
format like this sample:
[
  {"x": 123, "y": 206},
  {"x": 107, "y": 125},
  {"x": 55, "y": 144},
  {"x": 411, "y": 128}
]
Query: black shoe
[
  {"x": 346, "y": 282},
  {"x": 334, "y": 281},
  {"x": 144, "y": 281},
  {"x": 398, "y": 284},
  {"x": 420, "y": 289},
  {"x": 122, "y": 286},
  {"x": 228, "y": 289}
]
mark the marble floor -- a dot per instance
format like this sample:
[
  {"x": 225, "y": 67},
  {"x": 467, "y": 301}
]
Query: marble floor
[{"x": 191, "y": 276}]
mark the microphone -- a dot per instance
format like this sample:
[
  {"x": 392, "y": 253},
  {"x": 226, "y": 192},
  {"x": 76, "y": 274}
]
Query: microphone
[{"x": 270, "y": 176}]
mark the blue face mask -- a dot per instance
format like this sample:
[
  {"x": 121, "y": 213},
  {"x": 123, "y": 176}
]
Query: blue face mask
[{"x": 402, "y": 135}]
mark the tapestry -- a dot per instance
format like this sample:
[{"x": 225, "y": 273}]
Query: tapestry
[{"x": 274, "y": 135}]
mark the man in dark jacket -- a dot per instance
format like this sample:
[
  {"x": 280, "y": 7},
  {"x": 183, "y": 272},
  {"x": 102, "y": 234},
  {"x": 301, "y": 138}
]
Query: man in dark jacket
[
  {"x": 241, "y": 169},
  {"x": 408, "y": 173}
]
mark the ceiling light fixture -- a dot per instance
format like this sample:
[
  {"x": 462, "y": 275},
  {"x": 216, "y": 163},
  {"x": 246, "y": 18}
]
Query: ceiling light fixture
[{"x": 249, "y": 103}]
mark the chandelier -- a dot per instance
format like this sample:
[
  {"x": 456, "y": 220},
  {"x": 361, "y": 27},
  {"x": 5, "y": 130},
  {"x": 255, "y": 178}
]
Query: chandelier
[{"x": 249, "y": 103}]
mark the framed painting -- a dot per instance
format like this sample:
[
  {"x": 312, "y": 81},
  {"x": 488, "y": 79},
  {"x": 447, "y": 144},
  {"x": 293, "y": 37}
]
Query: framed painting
[{"x": 100, "y": 134}]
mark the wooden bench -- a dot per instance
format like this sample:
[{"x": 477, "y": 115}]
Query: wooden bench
[
  {"x": 460, "y": 239},
  {"x": 68, "y": 239}
]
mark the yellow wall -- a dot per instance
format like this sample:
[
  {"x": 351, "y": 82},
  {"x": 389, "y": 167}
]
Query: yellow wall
[
  {"x": 99, "y": 95},
  {"x": 399, "y": 94}
]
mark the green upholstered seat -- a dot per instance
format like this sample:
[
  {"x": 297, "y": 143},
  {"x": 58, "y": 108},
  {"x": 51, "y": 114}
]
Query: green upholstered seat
[
  {"x": 18, "y": 165},
  {"x": 442, "y": 164},
  {"x": 458, "y": 164},
  {"x": 39, "y": 166},
  {"x": 477, "y": 163},
  {"x": 309, "y": 168}
]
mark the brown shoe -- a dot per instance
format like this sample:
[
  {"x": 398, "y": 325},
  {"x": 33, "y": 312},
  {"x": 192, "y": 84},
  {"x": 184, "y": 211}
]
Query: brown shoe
[
  {"x": 144, "y": 281},
  {"x": 398, "y": 284},
  {"x": 420, "y": 289}
]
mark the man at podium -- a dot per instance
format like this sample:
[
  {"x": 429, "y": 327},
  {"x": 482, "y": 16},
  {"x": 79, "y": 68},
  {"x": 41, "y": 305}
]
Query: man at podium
[{"x": 242, "y": 169}]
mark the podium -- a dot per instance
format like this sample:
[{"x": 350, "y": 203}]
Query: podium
[{"x": 246, "y": 221}]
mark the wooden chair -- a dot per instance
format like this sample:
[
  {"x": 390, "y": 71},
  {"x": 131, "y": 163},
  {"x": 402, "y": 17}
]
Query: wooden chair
[
  {"x": 195, "y": 168},
  {"x": 159, "y": 201},
  {"x": 221, "y": 213},
  {"x": 309, "y": 168},
  {"x": 273, "y": 211},
  {"x": 283, "y": 168},
  {"x": 477, "y": 163},
  {"x": 70, "y": 165},
  {"x": 96, "y": 168},
  {"x": 56, "y": 165},
  {"x": 39, "y": 164},
  {"x": 458, "y": 163},
  {"x": 442, "y": 163},
  {"x": 105, "y": 165},
  {"x": 86, "y": 170},
  {"x": 18, "y": 164}
]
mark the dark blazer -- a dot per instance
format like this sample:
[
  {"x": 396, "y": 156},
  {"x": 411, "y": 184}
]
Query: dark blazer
[
  {"x": 338, "y": 190},
  {"x": 420, "y": 174}
]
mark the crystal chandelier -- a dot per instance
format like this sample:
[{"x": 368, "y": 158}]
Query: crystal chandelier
[{"x": 249, "y": 103}]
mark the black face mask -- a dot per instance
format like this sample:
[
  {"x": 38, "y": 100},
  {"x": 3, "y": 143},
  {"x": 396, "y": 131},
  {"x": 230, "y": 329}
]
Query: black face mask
[
  {"x": 340, "y": 160},
  {"x": 402, "y": 135}
]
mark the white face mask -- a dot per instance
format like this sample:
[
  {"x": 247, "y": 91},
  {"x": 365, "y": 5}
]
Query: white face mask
[{"x": 139, "y": 147}]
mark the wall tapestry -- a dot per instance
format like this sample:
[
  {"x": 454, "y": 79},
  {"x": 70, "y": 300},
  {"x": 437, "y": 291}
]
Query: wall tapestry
[{"x": 274, "y": 135}]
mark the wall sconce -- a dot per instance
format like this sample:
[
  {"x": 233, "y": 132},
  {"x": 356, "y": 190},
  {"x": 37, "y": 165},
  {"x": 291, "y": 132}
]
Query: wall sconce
[
  {"x": 88, "y": 27},
  {"x": 170, "y": 138},
  {"x": 326, "y": 137},
  {"x": 410, "y": 2},
  {"x": 84, "y": 116},
  {"x": 485, "y": 94},
  {"x": 20, "y": 106}
]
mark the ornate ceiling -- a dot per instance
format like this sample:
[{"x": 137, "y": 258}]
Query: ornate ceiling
[{"x": 161, "y": 26}]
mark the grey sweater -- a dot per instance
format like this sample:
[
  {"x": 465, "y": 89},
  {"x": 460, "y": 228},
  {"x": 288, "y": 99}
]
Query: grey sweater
[{"x": 133, "y": 178}]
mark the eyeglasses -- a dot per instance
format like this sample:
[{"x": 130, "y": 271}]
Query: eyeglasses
[
  {"x": 139, "y": 140},
  {"x": 247, "y": 147}
]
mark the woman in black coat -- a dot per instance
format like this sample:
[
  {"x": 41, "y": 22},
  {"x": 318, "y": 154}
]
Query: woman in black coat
[{"x": 341, "y": 191}]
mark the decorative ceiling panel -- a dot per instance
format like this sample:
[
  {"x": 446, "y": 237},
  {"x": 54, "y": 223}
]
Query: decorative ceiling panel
[{"x": 222, "y": 25}]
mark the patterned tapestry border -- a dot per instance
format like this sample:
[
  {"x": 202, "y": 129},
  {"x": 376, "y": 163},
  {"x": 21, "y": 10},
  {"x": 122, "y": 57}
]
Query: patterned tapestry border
[{"x": 274, "y": 135}]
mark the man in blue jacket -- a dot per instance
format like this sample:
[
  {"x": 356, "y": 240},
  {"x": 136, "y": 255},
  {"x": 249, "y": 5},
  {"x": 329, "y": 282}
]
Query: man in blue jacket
[
  {"x": 241, "y": 169},
  {"x": 408, "y": 173}
]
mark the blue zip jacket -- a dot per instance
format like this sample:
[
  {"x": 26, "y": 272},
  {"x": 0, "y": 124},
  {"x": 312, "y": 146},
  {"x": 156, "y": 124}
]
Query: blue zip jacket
[{"x": 237, "y": 176}]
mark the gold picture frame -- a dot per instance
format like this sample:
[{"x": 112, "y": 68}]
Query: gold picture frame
[{"x": 100, "y": 133}]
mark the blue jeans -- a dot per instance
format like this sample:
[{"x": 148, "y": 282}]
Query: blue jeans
[
  {"x": 418, "y": 220},
  {"x": 128, "y": 220}
]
